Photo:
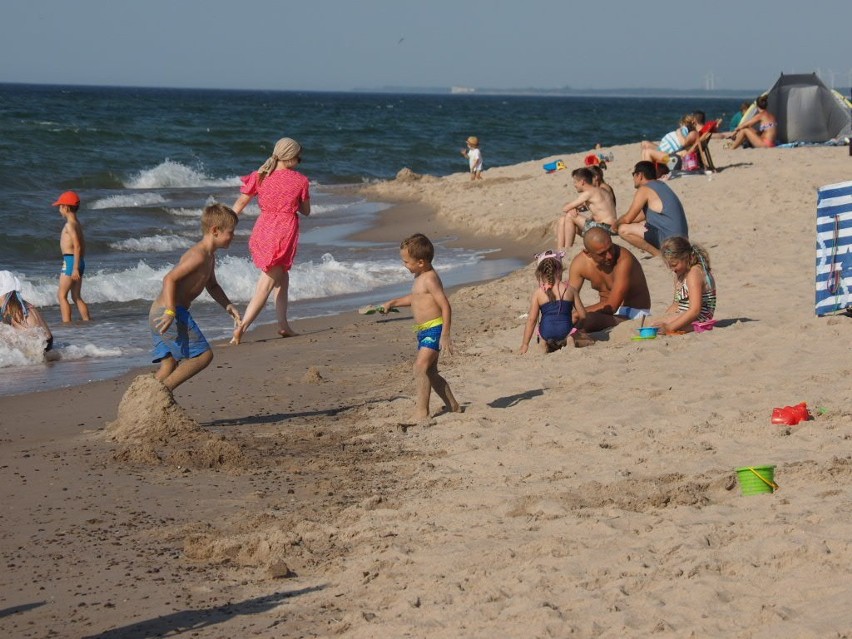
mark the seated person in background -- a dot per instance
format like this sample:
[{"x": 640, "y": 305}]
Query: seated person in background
[
  {"x": 737, "y": 117},
  {"x": 767, "y": 128},
  {"x": 595, "y": 199},
  {"x": 616, "y": 275},
  {"x": 17, "y": 312},
  {"x": 694, "y": 290},
  {"x": 655, "y": 214},
  {"x": 673, "y": 142},
  {"x": 597, "y": 171}
]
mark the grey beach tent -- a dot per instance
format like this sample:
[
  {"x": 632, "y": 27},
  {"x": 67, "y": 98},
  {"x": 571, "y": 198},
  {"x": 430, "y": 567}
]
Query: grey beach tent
[{"x": 807, "y": 110}]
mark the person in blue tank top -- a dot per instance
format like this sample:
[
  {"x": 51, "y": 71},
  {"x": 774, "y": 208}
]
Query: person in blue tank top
[
  {"x": 655, "y": 214},
  {"x": 555, "y": 302}
]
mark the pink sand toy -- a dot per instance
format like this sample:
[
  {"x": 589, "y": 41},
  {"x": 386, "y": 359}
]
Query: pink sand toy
[{"x": 700, "y": 327}]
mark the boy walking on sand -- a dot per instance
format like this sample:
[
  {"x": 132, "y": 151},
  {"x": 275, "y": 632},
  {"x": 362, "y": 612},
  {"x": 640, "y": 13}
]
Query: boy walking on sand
[
  {"x": 179, "y": 345},
  {"x": 73, "y": 248},
  {"x": 433, "y": 315}
]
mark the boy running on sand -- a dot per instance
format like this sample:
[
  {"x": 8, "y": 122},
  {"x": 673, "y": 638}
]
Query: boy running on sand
[
  {"x": 73, "y": 248},
  {"x": 433, "y": 315},
  {"x": 175, "y": 334}
]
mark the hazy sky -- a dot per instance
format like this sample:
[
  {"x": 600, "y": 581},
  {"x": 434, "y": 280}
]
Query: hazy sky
[{"x": 346, "y": 44}]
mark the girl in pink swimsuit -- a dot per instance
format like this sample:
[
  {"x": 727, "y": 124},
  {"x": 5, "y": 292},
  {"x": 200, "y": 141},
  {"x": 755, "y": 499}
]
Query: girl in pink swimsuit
[{"x": 282, "y": 194}]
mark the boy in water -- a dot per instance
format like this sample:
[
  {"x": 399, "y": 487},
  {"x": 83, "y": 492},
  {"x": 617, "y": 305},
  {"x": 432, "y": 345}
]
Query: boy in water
[
  {"x": 175, "y": 334},
  {"x": 433, "y": 315},
  {"x": 73, "y": 248}
]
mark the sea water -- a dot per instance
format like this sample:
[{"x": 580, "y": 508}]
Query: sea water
[{"x": 146, "y": 161}]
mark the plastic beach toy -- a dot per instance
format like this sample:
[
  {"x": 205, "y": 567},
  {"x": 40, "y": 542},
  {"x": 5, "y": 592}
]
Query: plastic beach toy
[
  {"x": 755, "y": 480},
  {"x": 550, "y": 167},
  {"x": 791, "y": 415},
  {"x": 370, "y": 310},
  {"x": 700, "y": 327},
  {"x": 647, "y": 332}
]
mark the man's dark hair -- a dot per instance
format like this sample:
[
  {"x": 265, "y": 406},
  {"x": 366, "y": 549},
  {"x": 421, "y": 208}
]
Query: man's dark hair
[{"x": 647, "y": 169}]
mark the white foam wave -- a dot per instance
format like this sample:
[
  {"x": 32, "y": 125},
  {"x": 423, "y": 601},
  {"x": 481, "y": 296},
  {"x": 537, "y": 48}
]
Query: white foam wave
[
  {"x": 154, "y": 244},
  {"x": 196, "y": 213},
  {"x": 85, "y": 351},
  {"x": 133, "y": 200},
  {"x": 21, "y": 347},
  {"x": 169, "y": 174},
  {"x": 312, "y": 279}
]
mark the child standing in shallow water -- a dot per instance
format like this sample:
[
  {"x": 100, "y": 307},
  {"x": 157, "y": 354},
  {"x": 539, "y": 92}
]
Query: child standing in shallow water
[
  {"x": 433, "y": 315},
  {"x": 694, "y": 287},
  {"x": 555, "y": 301},
  {"x": 73, "y": 248}
]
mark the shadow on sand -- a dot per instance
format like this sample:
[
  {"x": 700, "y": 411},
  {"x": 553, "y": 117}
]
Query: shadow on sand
[{"x": 190, "y": 621}]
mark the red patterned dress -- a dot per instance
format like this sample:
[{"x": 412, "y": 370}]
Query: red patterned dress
[{"x": 275, "y": 235}]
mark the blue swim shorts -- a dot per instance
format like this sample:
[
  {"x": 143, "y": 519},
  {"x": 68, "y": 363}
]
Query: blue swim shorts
[
  {"x": 429, "y": 334},
  {"x": 182, "y": 340},
  {"x": 68, "y": 265}
]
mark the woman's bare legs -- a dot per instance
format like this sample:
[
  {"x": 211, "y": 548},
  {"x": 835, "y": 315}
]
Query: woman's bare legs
[
  {"x": 267, "y": 281},
  {"x": 281, "y": 298},
  {"x": 748, "y": 134}
]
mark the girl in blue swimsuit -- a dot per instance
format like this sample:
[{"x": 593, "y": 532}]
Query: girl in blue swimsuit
[{"x": 555, "y": 302}]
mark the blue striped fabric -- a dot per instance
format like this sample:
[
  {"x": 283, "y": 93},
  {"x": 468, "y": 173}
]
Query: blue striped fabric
[{"x": 834, "y": 249}]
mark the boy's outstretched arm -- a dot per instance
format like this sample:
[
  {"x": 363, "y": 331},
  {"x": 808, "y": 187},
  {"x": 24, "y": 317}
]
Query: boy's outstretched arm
[
  {"x": 218, "y": 294},
  {"x": 399, "y": 301}
]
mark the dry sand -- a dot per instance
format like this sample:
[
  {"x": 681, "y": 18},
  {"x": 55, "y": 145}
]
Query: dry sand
[{"x": 587, "y": 493}]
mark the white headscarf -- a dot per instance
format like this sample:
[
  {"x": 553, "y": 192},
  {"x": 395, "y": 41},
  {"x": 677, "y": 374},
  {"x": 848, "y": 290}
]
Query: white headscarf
[{"x": 285, "y": 149}]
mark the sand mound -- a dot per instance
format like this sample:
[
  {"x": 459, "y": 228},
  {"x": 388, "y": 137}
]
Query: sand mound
[
  {"x": 156, "y": 430},
  {"x": 407, "y": 175},
  {"x": 313, "y": 376},
  {"x": 148, "y": 413}
]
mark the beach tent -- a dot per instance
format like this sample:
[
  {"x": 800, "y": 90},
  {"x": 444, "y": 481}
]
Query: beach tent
[
  {"x": 807, "y": 110},
  {"x": 834, "y": 249}
]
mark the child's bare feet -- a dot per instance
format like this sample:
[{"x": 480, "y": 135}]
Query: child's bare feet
[{"x": 288, "y": 332}]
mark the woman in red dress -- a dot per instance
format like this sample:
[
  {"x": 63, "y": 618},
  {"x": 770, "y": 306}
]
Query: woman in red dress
[{"x": 282, "y": 193}]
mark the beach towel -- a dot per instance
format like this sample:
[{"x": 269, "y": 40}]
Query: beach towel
[{"x": 834, "y": 249}]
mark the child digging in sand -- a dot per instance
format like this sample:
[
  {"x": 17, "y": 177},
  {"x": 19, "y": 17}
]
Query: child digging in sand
[
  {"x": 555, "y": 301},
  {"x": 179, "y": 346},
  {"x": 433, "y": 315},
  {"x": 694, "y": 286}
]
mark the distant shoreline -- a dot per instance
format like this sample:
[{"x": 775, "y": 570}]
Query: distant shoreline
[{"x": 720, "y": 94}]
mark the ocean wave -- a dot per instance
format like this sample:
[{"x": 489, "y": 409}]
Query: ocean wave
[
  {"x": 154, "y": 244},
  {"x": 133, "y": 200},
  {"x": 21, "y": 347},
  {"x": 169, "y": 174}
]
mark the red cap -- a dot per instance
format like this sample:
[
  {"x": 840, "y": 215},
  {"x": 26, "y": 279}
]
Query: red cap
[{"x": 68, "y": 198}]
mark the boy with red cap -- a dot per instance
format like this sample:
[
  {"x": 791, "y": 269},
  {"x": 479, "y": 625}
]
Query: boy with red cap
[{"x": 73, "y": 248}]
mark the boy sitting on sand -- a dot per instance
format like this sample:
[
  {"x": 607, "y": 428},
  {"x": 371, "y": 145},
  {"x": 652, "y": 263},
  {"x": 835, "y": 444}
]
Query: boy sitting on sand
[
  {"x": 433, "y": 314},
  {"x": 175, "y": 334},
  {"x": 599, "y": 202}
]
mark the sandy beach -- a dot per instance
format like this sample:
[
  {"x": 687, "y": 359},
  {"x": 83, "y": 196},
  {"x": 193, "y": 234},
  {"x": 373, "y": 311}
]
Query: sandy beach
[{"x": 586, "y": 493}]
